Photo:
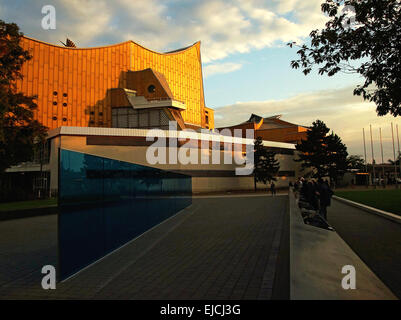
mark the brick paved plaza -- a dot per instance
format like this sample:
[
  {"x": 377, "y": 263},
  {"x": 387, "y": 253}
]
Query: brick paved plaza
[{"x": 218, "y": 248}]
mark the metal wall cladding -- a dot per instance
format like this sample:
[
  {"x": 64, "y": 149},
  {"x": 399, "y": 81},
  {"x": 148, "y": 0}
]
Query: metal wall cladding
[{"x": 71, "y": 84}]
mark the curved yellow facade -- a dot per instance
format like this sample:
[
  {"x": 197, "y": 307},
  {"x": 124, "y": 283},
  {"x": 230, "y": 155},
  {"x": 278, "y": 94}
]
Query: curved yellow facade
[{"x": 72, "y": 83}]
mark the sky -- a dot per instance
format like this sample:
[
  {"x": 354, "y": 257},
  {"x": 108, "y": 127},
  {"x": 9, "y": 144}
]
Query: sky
[{"x": 246, "y": 62}]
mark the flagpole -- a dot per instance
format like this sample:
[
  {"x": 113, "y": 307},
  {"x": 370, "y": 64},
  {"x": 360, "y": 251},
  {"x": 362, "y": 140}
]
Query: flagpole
[
  {"x": 366, "y": 162},
  {"x": 373, "y": 158},
  {"x": 395, "y": 161},
  {"x": 399, "y": 153},
  {"x": 381, "y": 148}
]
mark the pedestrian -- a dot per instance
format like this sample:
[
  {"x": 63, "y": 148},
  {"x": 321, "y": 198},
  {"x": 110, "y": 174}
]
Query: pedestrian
[
  {"x": 312, "y": 194},
  {"x": 273, "y": 188},
  {"x": 325, "y": 197}
]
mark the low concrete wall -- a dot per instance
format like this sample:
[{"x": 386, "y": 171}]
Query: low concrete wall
[
  {"x": 317, "y": 257},
  {"x": 382, "y": 213}
]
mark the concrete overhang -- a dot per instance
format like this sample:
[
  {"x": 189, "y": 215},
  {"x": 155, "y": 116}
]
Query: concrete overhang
[{"x": 140, "y": 102}]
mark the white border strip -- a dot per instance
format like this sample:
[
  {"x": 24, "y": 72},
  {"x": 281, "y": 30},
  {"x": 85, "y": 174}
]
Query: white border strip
[{"x": 123, "y": 132}]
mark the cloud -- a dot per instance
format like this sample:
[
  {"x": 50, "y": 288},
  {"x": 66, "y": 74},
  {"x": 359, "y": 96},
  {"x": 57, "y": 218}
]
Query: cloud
[
  {"x": 342, "y": 112},
  {"x": 224, "y": 27},
  {"x": 216, "y": 68}
]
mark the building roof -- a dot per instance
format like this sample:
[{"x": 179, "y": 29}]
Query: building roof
[
  {"x": 265, "y": 123},
  {"x": 117, "y": 44}
]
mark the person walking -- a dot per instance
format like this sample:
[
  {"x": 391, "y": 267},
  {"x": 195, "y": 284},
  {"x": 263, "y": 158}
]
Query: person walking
[{"x": 273, "y": 189}]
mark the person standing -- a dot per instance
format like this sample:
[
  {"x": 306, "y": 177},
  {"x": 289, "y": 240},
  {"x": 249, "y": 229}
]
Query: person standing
[
  {"x": 273, "y": 188},
  {"x": 325, "y": 197}
]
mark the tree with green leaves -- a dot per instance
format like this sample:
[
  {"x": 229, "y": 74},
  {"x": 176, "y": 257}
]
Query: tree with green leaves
[
  {"x": 266, "y": 164},
  {"x": 361, "y": 37},
  {"x": 355, "y": 162},
  {"x": 19, "y": 132},
  {"x": 337, "y": 163},
  {"x": 397, "y": 161},
  {"x": 324, "y": 153}
]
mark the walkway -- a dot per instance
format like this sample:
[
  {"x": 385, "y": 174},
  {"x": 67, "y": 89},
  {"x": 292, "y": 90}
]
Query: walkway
[{"x": 219, "y": 248}]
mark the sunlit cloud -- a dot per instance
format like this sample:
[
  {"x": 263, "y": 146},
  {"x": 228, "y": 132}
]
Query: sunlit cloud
[
  {"x": 342, "y": 112},
  {"x": 224, "y": 27},
  {"x": 227, "y": 67}
]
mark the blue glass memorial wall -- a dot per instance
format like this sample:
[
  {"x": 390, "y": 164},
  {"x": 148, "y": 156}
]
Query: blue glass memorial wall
[{"x": 104, "y": 203}]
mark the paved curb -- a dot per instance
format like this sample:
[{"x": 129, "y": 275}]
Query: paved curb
[
  {"x": 384, "y": 214},
  {"x": 28, "y": 213}
]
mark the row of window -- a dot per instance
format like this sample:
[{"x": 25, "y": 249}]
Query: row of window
[
  {"x": 130, "y": 118},
  {"x": 55, "y": 103},
  {"x": 55, "y": 93},
  {"x": 55, "y": 118},
  {"x": 92, "y": 113},
  {"x": 90, "y": 122}
]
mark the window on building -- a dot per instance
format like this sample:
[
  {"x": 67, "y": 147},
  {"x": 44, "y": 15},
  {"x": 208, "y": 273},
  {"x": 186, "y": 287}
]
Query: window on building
[{"x": 151, "y": 88}]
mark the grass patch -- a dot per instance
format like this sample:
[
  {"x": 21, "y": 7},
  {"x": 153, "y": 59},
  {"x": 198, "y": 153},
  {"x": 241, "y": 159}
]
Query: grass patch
[
  {"x": 25, "y": 205},
  {"x": 387, "y": 200}
]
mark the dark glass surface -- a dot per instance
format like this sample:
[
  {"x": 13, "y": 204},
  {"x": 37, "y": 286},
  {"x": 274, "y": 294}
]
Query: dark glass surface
[{"x": 105, "y": 203}]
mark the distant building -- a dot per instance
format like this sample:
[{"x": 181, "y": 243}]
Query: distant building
[
  {"x": 101, "y": 102},
  {"x": 272, "y": 129}
]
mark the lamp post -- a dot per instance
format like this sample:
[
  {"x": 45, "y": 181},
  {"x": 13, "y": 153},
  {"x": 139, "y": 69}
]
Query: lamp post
[{"x": 373, "y": 158}]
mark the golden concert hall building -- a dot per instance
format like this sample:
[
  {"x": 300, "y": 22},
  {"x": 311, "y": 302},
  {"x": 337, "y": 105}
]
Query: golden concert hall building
[
  {"x": 101, "y": 102},
  {"x": 123, "y": 85}
]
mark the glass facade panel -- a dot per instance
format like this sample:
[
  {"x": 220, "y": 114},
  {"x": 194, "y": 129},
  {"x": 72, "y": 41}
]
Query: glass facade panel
[{"x": 105, "y": 203}]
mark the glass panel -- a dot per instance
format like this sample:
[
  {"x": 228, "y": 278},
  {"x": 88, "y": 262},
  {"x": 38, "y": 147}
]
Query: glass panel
[
  {"x": 143, "y": 119},
  {"x": 122, "y": 121},
  {"x": 154, "y": 118},
  {"x": 105, "y": 203},
  {"x": 133, "y": 120}
]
